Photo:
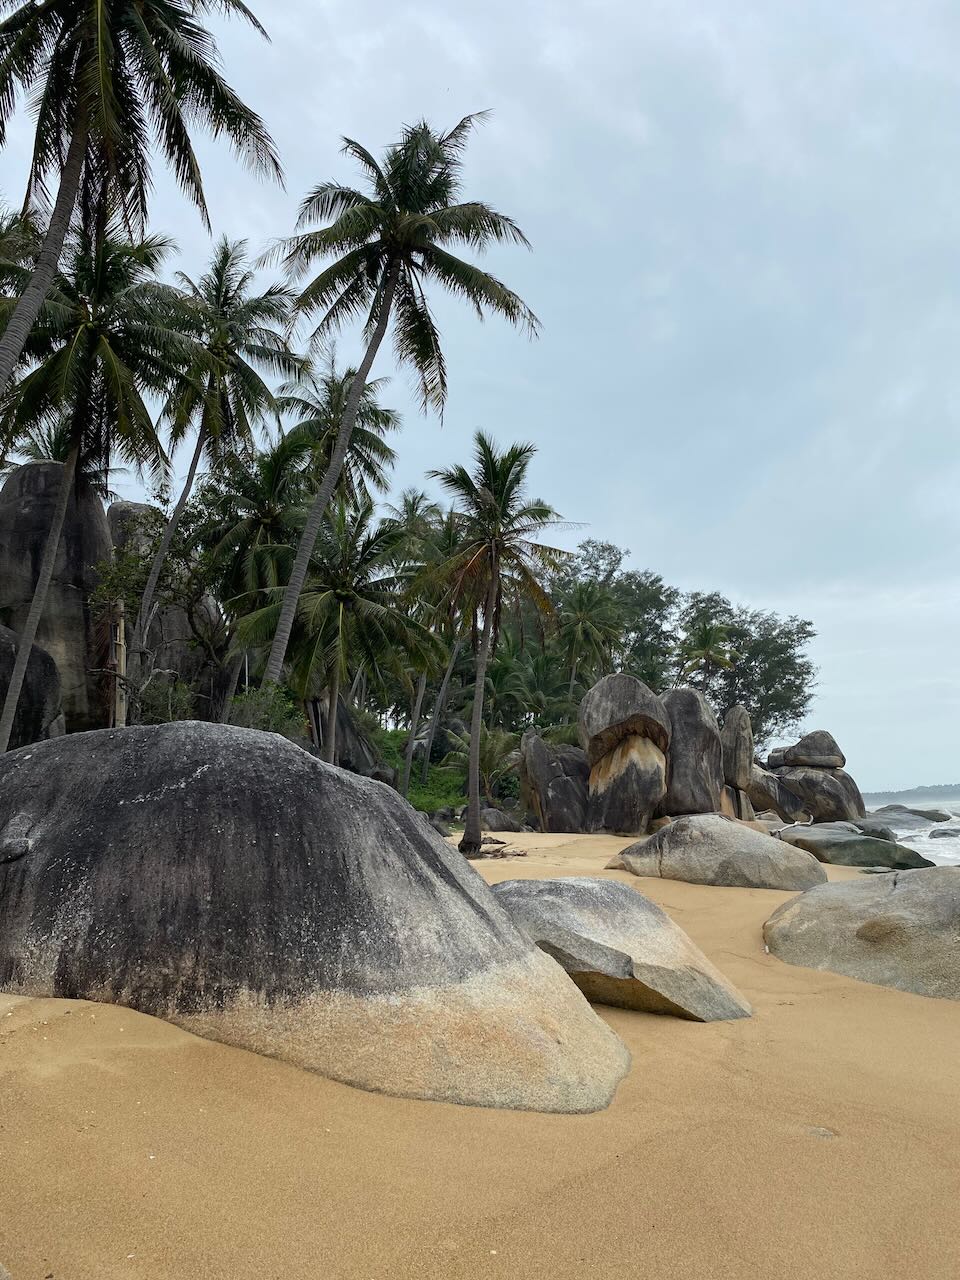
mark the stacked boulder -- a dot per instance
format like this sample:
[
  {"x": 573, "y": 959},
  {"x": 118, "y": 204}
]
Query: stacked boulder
[
  {"x": 736, "y": 738},
  {"x": 812, "y": 770},
  {"x": 695, "y": 762},
  {"x": 625, "y": 732},
  {"x": 554, "y": 783}
]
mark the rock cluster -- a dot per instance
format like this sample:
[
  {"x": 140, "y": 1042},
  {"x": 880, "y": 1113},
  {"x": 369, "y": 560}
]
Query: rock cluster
[
  {"x": 844, "y": 844},
  {"x": 812, "y": 771},
  {"x": 554, "y": 782}
]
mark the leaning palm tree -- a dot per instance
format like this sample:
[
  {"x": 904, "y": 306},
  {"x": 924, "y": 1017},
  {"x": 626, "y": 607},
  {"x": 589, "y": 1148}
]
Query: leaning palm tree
[
  {"x": 106, "y": 82},
  {"x": 238, "y": 334},
  {"x": 500, "y": 562},
  {"x": 389, "y": 241},
  {"x": 108, "y": 347}
]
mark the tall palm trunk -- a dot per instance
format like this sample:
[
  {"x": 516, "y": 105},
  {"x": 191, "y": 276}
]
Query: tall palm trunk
[
  {"x": 35, "y": 613},
  {"x": 32, "y": 299},
  {"x": 230, "y": 689},
  {"x": 156, "y": 568},
  {"x": 438, "y": 707},
  {"x": 329, "y": 752},
  {"x": 291, "y": 596},
  {"x": 412, "y": 740},
  {"x": 472, "y": 835}
]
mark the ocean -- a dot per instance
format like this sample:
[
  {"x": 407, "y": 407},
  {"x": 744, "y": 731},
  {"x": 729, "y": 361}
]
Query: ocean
[{"x": 916, "y": 833}]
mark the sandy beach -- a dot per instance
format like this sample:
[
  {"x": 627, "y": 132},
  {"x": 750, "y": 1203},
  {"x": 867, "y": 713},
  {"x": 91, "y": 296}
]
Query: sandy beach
[{"x": 818, "y": 1139}]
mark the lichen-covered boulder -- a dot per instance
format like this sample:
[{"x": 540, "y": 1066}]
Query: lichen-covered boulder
[
  {"x": 618, "y": 707},
  {"x": 818, "y": 750},
  {"x": 68, "y": 629},
  {"x": 233, "y": 884},
  {"x": 713, "y": 849},
  {"x": 554, "y": 783},
  {"x": 829, "y": 795},
  {"x": 39, "y": 712},
  {"x": 736, "y": 738},
  {"x": 843, "y": 845},
  {"x": 766, "y": 791},
  {"x": 620, "y": 948},
  {"x": 898, "y": 930},
  {"x": 694, "y": 765}
]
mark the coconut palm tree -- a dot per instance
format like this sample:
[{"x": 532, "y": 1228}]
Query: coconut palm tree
[
  {"x": 705, "y": 649},
  {"x": 390, "y": 241},
  {"x": 588, "y": 626},
  {"x": 500, "y": 562},
  {"x": 109, "y": 344},
  {"x": 499, "y": 756},
  {"x": 107, "y": 82},
  {"x": 238, "y": 335}
]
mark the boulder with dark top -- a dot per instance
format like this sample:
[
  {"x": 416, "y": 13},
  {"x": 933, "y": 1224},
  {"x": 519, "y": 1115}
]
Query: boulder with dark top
[
  {"x": 499, "y": 820},
  {"x": 620, "y": 948},
  {"x": 818, "y": 750},
  {"x": 712, "y": 849},
  {"x": 736, "y": 738},
  {"x": 874, "y": 827},
  {"x": 68, "y": 630},
  {"x": 694, "y": 766},
  {"x": 843, "y": 845},
  {"x": 766, "y": 791},
  {"x": 39, "y": 713},
  {"x": 232, "y": 883},
  {"x": 829, "y": 795},
  {"x": 554, "y": 782},
  {"x": 896, "y": 812},
  {"x": 896, "y": 930},
  {"x": 625, "y": 731}
]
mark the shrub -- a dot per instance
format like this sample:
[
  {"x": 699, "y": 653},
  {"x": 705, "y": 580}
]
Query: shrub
[{"x": 271, "y": 709}]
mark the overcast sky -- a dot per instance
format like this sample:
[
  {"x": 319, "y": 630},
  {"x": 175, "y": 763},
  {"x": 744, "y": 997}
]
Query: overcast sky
[{"x": 744, "y": 218}]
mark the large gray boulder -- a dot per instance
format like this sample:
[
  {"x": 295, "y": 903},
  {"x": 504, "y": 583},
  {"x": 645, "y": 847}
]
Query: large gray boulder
[
  {"x": 829, "y": 795},
  {"x": 736, "y": 738},
  {"x": 900, "y": 812},
  {"x": 766, "y": 791},
  {"x": 554, "y": 783},
  {"x": 233, "y": 884},
  {"x": 39, "y": 712},
  {"x": 874, "y": 827},
  {"x": 68, "y": 630},
  {"x": 625, "y": 731},
  {"x": 712, "y": 849},
  {"x": 620, "y": 948},
  {"x": 818, "y": 749},
  {"x": 843, "y": 845},
  {"x": 498, "y": 820},
  {"x": 694, "y": 765},
  {"x": 899, "y": 930}
]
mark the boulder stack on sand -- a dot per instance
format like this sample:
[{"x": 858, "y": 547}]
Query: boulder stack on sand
[
  {"x": 900, "y": 930},
  {"x": 712, "y": 849},
  {"x": 620, "y": 948},
  {"x": 625, "y": 731},
  {"x": 229, "y": 882},
  {"x": 813, "y": 770}
]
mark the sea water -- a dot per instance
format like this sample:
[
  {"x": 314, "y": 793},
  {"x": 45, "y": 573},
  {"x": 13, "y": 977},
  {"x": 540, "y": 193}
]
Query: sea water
[{"x": 916, "y": 833}]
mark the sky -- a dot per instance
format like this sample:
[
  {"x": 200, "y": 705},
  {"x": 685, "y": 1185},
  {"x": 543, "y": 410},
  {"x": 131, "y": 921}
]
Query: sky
[{"x": 745, "y": 252}]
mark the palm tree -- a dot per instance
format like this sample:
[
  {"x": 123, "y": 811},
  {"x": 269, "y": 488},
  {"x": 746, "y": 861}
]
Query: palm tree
[
  {"x": 588, "y": 626},
  {"x": 499, "y": 561},
  {"x": 353, "y": 609},
  {"x": 108, "y": 346},
  {"x": 706, "y": 649},
  {"x": 388, "y": 242},
  {"x": 317, "y": 403},
  {"x": 107, "y": 82},
  {"x": 238, "y": 333},
  {"x": 499, "y": 755}
]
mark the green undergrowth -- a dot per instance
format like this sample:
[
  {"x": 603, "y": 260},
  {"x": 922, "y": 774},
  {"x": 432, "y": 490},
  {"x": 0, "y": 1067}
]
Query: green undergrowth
[{"x": 444, "y": 788}]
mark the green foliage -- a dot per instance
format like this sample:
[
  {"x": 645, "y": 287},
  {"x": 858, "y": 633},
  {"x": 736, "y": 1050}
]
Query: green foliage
[
  {"x": 164, "y": 700},
  {"x": 446, "y": 786},
  {"x": 271, "y": 709}
]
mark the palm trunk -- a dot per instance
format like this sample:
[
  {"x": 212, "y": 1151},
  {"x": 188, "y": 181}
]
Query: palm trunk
[
  {"x": 438, "y": 707},
  {"x": 472, "y": 835},
  {"x": 329, "y": 752},
  {"x": 573, "y": 681},
  {"x": 29, "y": 633},
  {"x": 226, "y": 707},
  {"x": 412, "y": 740},
  {"x": 291, "y": 596},
  {"x": 33, "y": 297},
  {"x": 142, "y": 628}
]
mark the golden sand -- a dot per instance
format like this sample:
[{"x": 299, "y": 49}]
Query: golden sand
[{"x": 818, "y": 1139}]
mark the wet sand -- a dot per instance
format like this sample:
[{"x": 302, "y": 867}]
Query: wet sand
[{"x": 819, "y": 1139}]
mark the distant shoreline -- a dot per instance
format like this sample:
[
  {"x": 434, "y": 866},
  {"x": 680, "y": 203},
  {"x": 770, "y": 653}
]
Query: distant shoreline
[{"x": 943, "y": 789}]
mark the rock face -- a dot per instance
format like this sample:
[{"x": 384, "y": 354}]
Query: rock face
[
  {"x": 711, "y": 849},
  {"x": 843, "y": 845},
  {"x": 695, "y": 769},
  {"x": 554, "y": 782},
  {"x": 818, "y": 749},
  {"x": 40, "y": 709},
  {"x": 498, "y": 820},
  {"x": 67, "y": 631},
  {"x": 896, "y": 930},
  {"x": 766, "y": 791},
  {"x": 231, "y": 883},
  {"x": 625, "y": 731},
  {"x": 355, "y": 752},
  {"x": 736, "y": 738},
  {"x": 830, "y": 795},
  {"x": 620, "y": 948}
]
